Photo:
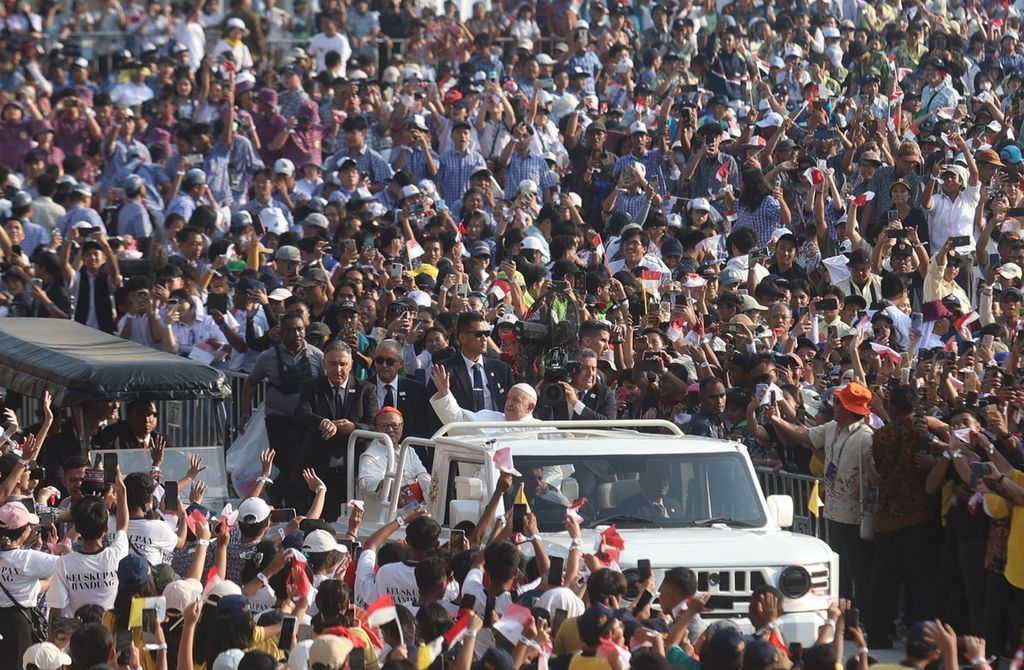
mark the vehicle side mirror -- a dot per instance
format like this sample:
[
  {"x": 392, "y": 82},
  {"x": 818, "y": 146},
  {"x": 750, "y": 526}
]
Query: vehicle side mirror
[{"x": 781, "y": 510}]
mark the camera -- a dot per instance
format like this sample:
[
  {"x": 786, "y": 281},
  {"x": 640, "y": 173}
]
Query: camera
[{"x": 557, "y": 369}]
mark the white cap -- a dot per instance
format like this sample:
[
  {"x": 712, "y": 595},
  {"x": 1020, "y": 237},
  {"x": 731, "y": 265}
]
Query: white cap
[
  {"x": 236, "y": 23},
  {"x": 793, "y": 50},
  {"x": 700, "y": 205},
  {"x": 1010, "y": 271},
  {"x": 273, "y": 220},
  {"x": 507, "y": 318},
  {"x": 544, "y": 59},
  {"x": 531, "y": 242},
  {"x": 284, "y": 166},
  {"x": 577, "y": 201},
  {"x": 223, "y": 588},
  {"x": 280, "y": 294},
  {"x": 545, "y": 98},
  {"x": 408, "y": 191},
  {"x": 526, "y": 43},
  {"x": 421, "y": 298},
  {"x": 528, "y": 186},
  {"x": 320, "y": 541},
  {"x": 181, "y": 593},
  {"x": 770, "y": 120},
  {"x": 245, "y": 78},
  {"x": 253, "y": 510},
  {"x": 45, "y": 656},
  {"x": 638, "y": 127},
  {"x": 830, "y": 32}
]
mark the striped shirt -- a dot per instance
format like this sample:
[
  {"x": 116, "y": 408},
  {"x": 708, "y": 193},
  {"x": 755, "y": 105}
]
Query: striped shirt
[
  {"x": 367, "y": 160},
  {"x": 415, "y": 161},
  {"x": 454, "y": 171},
  {"x": 652, "y": 161},
  {"x": 531, "y": 167},
  {"x": 630, "y": 203},
  {"x": 764, "y": 220}
]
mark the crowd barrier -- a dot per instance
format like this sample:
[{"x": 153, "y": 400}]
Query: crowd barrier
[{"x": 799, "y": 487}]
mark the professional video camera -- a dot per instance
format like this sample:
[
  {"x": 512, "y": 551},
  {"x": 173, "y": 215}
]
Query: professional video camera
[{"x": 555, "y": 368}]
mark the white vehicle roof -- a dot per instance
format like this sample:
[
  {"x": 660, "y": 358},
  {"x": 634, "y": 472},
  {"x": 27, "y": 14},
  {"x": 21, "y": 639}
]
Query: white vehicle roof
[{"x": 592, "y": 441}]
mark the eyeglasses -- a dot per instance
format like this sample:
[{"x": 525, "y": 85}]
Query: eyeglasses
[
  {"x": 390, "y": 426},
  {"x": 150, "y": 414},
  {"x": 380, "y": 360},
  {"x": 477, "y": 333}
]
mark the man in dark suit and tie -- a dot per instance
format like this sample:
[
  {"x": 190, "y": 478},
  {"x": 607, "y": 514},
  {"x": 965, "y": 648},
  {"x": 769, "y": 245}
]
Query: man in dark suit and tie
[
  {"x": 476, "y": 382},
  {"x": 330, "y": 408},
  {"x": 407, "y": 395},
  {"x": 586, "y": 399}
]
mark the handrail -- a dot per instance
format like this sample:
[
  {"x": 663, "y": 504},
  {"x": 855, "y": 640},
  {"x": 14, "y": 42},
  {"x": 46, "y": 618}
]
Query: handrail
[
  {"x": 673, "y": 429},
  {"x": 400, "y": 470},
  {"x": 352, "y": 467}
]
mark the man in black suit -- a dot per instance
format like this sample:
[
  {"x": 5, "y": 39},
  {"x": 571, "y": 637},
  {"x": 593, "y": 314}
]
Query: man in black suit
[
  {"x": 407, "y": 395},
  {"x": 330, "y": 408},
  {"x": 586, "y": 398},
  {"x": 476, "y": 382}
]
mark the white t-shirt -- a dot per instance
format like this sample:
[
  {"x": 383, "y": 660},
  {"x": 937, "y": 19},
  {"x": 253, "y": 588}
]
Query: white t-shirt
[
  {"x": 153, "y": 539},
  {"x": 474, "y": 586},
  {"x": 320, "y": 45},
  {"x": 20, "y": 572},
  {"x": 87, "y": 579}
]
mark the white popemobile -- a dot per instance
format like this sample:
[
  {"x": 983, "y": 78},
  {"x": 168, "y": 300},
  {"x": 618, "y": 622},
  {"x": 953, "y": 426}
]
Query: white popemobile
[{"x": 676, "y": 500}]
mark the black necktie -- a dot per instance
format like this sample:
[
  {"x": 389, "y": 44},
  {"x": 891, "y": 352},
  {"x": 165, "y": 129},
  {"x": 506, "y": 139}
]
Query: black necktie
[
  {"x": 337, "y": 402},
  {"x": 478, "y": 388},
  {"x": 389, "y": 396}
]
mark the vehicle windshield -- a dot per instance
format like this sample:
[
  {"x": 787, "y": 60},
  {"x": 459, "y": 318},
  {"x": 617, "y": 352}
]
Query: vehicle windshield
[{"x": 673, "y": 490}]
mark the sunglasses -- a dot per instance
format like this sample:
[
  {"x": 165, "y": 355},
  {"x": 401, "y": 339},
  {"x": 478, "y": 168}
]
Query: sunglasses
[
  {"x": 477, "y": 333},
  {"x": 380, "y": 360}
]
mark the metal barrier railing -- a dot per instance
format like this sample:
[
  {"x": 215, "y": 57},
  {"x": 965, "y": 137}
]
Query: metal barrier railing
[{"x": 798, "y": 487}]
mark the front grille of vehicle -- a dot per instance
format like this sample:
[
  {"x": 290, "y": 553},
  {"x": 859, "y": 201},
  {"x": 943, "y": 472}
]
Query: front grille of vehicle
[{"x": 743, "y": 581}]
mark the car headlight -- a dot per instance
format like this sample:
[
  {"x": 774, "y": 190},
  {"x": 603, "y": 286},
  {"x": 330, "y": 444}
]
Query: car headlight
[{"x": 794, "y": 582}]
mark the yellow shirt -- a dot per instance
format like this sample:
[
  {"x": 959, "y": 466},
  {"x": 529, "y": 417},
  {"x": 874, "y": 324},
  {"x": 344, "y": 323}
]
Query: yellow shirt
[
  {"x": 260, "y": 642},
  {"x": 146, "y": 659},
  {"x": 999, "y": 508},
  {"x": 581, "y": 662}
]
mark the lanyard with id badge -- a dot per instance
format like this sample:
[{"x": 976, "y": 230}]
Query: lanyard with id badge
[{"x": 833, "y": 465}]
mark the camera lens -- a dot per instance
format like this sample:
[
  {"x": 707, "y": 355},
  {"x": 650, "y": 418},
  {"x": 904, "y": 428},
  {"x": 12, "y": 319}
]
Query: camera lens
[{"x": 552, "y": 394}]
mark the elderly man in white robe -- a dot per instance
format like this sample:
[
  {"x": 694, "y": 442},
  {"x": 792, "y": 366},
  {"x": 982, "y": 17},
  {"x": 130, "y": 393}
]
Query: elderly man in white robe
[
  {"x": 373, "y": 465},
  {"x": 519, "y": 406}
]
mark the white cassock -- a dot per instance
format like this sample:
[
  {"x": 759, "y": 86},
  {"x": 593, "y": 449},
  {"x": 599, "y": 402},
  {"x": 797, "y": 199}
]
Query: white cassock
[
  {"x": 373, "y": 465},
  {"x": 448, "y": 411}
]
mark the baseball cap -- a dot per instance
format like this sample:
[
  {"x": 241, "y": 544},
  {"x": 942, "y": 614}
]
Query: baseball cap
[
  {"x": 480, "y": 249},
  {"x": 181, "y": 593},
  {"x": 288, "y": 253},
  {"x": 312, "y": 277},
  {"x": 253, "y": 510},
  {"x": 15, "y": 515},
  {"x": 1012, "y": 155},
  {"x": 348, "y": 306},
  {"x": 770, "y": 120},
  {"x": 195, "y": 177},
  {"x": 228, "y": 660},
  {"x": 316, "y": 220},
  {"x": 330, "y": 651},
  {"x": 531, "y": 243},
  {"x": 730, "y": 276},
  {"x": 1010, "y": 271},
  {"x": 284, "y": 166},
  {"x": 279, "y": 294},
  {"x": 748, "y": 303},
  {"x": 700, "y": 205},
  {"x": 45, "y": 656},
  {"x": 319, "y": 541},
  {"x": 133, "y": 570}
]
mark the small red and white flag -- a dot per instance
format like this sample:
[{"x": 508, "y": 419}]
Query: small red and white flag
[
  {"x": 413, "y": 249},
  {"x": 650, "y": 280},
  {"x": 864, "y": 198},
  {"x": 912, "y": 132},
  {"x": 886, "y": 352},
  {"x": 512, "y": 622},
  {"x": 722, "y": 174},
  {"x": 212, "y": 580},
  {"x": 945, "y": 112},
  {"x": 966, "y": 320},
  {"x": 598, "y": 246},
  {"x": 572, "y": 510},
  {"x": 195, "y": 519},
  {"x": 814, "y": 175},
  {"x": 297, "y": 576},
  {"x": 675, "y": 330},
  {"x": 381, "y": 611},
  {"x": 757, "y": 141},
  {"x": 458, "y": 630},
  {"x": 228, "y": 516},
  {"x": 763, "y": 65},
  {"x": 610, "y": 544},
  {"x": 965, "y": 435},
  {"x": 503, "y": 461}
]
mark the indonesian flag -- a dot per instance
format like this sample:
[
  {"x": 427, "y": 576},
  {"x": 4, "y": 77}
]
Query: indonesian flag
[
  {"x": 757, "y": 141},
  {"x": 503, "y": 461},
  {"x": 864, "y": 198},
  {"x": 195, "y": 519},
  {"x": 965, "y": 435},
  {"x": 814, "y": 175},
  {"x": 458, "y": 630},
  {"x": 897, "y": 94},
  {"x": 598, "y": 246},
  {"x": 381, "y": 611},
  {"x": 945, "y": 112},
  {"x": 212, "y": 580},
  {"x": 893, "y": 121},
  {"x": 572, "y": 510},
  {"x": 512, "y": 623},
  {"x": 864, "y": 325},
  {"x": 912, "y": 132},
  {"x": 650, "y": 280},
  {"x": 966, "y": 320},
  {"x": 297, "y": 576},
  {"x": 886, "y": 352},
  {"x": 609, "y": 650},
  {"x": 722, "y": 174},
  {"x": 813, "y": 94},
  {"x": 675, "y": 330},
  {"x": 946, "y": 139},
  {"x": 414, "y": 249},
  {"x": 610, "y": 544},
  {"x": 763, "y": 65}
]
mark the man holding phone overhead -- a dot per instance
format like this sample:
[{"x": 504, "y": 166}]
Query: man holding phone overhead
[{"x": 951, "y": 210}]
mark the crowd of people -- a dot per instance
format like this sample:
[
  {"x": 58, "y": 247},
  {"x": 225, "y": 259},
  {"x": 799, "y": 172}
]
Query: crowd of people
[{"x": 794, "y": 225}]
